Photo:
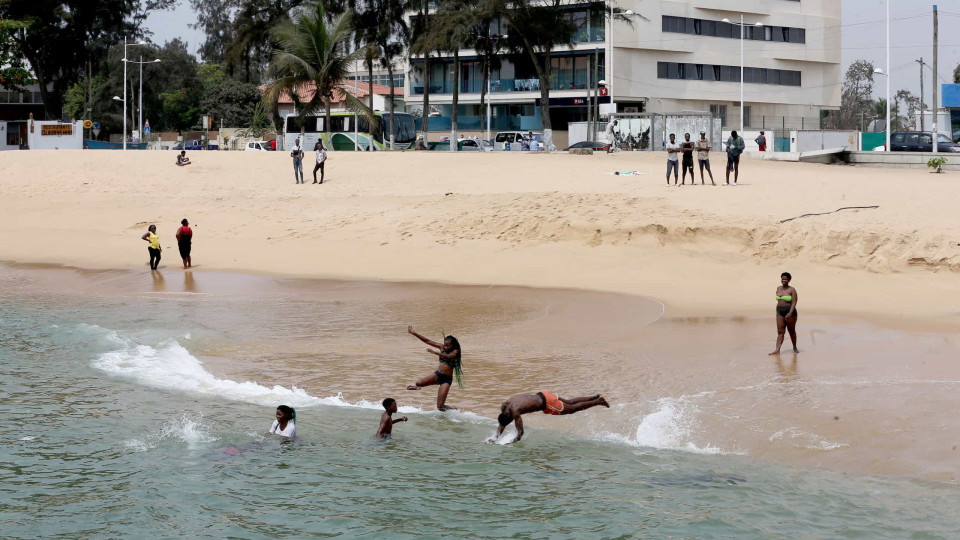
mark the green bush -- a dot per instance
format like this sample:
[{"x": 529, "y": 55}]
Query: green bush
[{"x": 937, "y": 163}]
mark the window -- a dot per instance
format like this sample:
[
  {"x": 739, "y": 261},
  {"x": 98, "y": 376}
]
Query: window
[
  {"x": 710, "y": 72},
  {"x": 926, "y": 139},
  {"x": 703, "y": 27},
  {"x": 746, "y": 115},
  {"x": 898, "y": 138},
  {"x": 913, "y": 138},
  {"x": 720, "y": 111}
]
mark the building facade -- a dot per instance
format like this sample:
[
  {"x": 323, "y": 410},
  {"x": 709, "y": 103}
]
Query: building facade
[{"x": 674, "y": 56}]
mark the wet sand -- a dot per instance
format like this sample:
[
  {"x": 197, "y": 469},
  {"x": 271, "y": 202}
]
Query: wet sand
[{"x": 860, "y": 397}]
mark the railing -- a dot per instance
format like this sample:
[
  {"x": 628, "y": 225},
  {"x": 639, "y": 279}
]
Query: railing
[{"x": 475, "y": 86}]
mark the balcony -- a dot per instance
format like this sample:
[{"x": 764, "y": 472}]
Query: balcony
[{"x": 505, "y": 86}]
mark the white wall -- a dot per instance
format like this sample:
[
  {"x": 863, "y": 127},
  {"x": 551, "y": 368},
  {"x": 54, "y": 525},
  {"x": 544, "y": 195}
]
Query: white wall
[{"x": 37, "y": 141}]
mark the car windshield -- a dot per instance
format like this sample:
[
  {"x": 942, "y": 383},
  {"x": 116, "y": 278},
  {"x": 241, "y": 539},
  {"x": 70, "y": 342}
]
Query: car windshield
[{"x": 943, "y": 138}]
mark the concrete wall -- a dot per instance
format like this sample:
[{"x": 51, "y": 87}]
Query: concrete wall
[
  {"x": 38, "y": 141},
  {"x": 916, "y": 160}
]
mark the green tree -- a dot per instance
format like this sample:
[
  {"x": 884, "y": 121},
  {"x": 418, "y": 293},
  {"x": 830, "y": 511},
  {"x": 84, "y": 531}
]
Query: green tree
[
  {"x": 63, "y": 34},
  {"x": 856, "y": 99},
  {"x": 956, "y": 74},
  {"x": 258, "y": 124},
  {"x": 912, "y": 103},
  {"x": 227, "y": 100},
  {"x": 311, "y": 52},
  {"x": 13, "y": 72}
]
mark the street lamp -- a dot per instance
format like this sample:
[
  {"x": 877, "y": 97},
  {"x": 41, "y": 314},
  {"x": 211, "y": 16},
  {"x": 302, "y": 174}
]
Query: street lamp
[
  {"x": 140, "y": 105},
  {"x": 627, "y": 13},
  {"x": 760, "y": 25},
  {"x": 125, "y": 45},
  {"x": 489, "y": 37}
]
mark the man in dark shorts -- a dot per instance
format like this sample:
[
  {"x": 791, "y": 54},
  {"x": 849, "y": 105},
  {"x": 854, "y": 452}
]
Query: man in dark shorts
[
  {"x": 686, "y": 147},
  {"x": 549, "y": 403},
  {"x": 185, "y": 242}
]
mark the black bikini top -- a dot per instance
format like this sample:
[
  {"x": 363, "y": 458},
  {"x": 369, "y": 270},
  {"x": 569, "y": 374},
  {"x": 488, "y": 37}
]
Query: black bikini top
[{"x": 452, "y": 362}]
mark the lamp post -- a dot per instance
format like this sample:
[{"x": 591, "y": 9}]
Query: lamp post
[
  {"x": 125, "y": 45},
  {"x": 627, "y": 13},
  {"x": 889, "y": 126},
  {"x": 879, "y": 71},
  {"x": 760, "y": 25},
  {"x": 492, "y": 49},
  {"x": 140, "y": 103}
]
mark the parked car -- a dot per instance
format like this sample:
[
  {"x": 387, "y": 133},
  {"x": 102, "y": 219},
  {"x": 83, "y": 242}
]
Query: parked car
[
  {"x": 257, "y": 146},
  {"x": 514, "y": 139},
  {"x": 595, "y": 145},
  {"x": 475, "y": 145},
  {"x": 921, "y": 141},
  {"x": 195, "y": 144}
]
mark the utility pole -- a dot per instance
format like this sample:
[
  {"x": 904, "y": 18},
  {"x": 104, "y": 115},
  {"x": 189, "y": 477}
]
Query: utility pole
[
  {"x": 920, "y": 61},
  {"x": 935, "y": 31}
]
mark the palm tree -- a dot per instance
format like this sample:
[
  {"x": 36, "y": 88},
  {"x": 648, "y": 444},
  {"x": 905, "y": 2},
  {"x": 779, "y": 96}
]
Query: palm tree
[
  {"x": 390, "y": 37},
  {"x": 312, "y": 51},
  {"x": 453, "y": 27}
]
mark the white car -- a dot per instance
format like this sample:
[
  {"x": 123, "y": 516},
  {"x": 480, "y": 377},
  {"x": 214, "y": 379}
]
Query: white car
[
  {"x": 257, "y": 146},
  {"x": 475, "y": 145}
]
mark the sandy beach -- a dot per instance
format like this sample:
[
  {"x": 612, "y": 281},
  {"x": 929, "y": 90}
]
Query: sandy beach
[{"x": 548, "y": 220}]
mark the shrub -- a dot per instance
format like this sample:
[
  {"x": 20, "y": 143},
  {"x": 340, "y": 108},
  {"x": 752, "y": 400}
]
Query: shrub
[{"x": 937, "y": 163}]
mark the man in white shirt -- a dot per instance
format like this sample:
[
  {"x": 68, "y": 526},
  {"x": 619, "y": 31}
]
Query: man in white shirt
[
  {"x": 534, "y": 144},
  {"x": 297, "y": 155},
  {"x": 610, "y": 135},
  {"x": 321, "y": 158},
  {"x": 673, "y": 156}
]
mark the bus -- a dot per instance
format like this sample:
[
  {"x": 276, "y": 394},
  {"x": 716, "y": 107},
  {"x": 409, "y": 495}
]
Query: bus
[{"x": 341, "y": 134}]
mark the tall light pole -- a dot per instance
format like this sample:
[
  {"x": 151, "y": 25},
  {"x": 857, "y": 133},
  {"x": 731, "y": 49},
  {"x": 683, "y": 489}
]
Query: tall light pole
[
  {"x": 125, "y": 87},
  {"x": 889, "y": 125},
  {"x": 628, "y": 13},
  {"x": 759, "y": 25},
  {"x": 140, "y": 105}
]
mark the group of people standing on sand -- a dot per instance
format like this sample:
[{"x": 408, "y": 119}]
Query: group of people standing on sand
[
  {"x": 184, "y": 243},
  {"x": 447, "y": 371},
  {"x": 297, "y": 154},
  {"x": 701, "y": 146}
]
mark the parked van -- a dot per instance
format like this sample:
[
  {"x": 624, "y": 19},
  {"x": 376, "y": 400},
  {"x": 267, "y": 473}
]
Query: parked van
[
  {"x": 257, "y": 146},
  {"x": 513, "y": 140}
]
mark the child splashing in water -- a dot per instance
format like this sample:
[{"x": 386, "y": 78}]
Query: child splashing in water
[
  {"x": 449, "y": 367},
  {"x": 386, "y": 419},
  {"x": 286, "y": 422}
]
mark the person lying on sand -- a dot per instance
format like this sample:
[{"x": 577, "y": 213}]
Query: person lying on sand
[
  {"x": 521, "y": 404},
  {"x": 449, "y": 367},
  {"x": 386, "y": 419}
]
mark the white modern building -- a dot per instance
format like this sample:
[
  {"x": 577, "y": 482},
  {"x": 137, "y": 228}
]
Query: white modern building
[{"x": 676, "y": 56}]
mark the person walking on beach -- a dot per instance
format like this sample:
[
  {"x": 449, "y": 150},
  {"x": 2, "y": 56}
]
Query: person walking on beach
[
  {"x": 286, "y": 423},
  {"x": 703, "y": 156},
  {"x": 386, "y": 419},
  {"x": 513, "y": 408},
  {"x": 611, "y": 135},
  {"x": 786, "y": 312},
  {"x": 686, "y": 147},
  {"x": 734, "y": 149},
  {"x": 297, "y": 155},
  {"x": 761, "y": 141},
  {"x": 449, "y": 353},
  {"x": 672, "y": 159},
  {"x": 321, "y": 158},
  {"x": 154, "y": 246},
  {"x": 185, "y": 242}
]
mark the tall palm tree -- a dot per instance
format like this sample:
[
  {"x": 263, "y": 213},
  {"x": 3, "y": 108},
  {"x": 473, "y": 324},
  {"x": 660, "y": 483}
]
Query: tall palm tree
[
  {"x": 390, "y": 36},
  {"x": 453, "y": 27},
  {"x": 312, "y": 50}
]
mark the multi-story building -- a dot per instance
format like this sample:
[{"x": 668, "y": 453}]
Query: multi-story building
[{"x": 677, "y": 55}]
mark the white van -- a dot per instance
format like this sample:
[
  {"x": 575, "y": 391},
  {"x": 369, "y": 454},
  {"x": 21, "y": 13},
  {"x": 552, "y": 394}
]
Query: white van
[
  {"x": 513, "y": 140},
  {"x": 257, "y": 146}
]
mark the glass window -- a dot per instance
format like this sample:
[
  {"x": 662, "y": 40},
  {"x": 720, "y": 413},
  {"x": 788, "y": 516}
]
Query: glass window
[
  {"x": 725, "y": 30},
  {"x": 709, "y": 28},
  {"x": 663, "y": 70},
  {"x": 773, "y": 76},
  {"x": 698, "y": 27},
  {"x": 768, "y": 33},
  {"x": 913, "y": 138},
  {"x": 898, "y": 138},
  {"x": 785, "y": 34},
  {"x": 926, "y": 139}
]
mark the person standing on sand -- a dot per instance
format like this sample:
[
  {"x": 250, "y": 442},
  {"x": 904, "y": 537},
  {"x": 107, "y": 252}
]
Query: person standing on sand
[
  {"x": 672, "y": 161},
  {"x": 321, "y": 158},
  {"x": 449, "y": 353},
  {"x": 297, "y": 155},
  {"x": 154, "y": 246},
  {"x": 734, "y": 149},
  {"x": 703, "y": 156},
  {"x": 185, "y": 242},
  {"x": 611, "y": 135},
  {"x": 513, "y": 408},
  {"x": 786, "y": 312},
  {"x": 761, "y": 141},
  {"x": 686, "y": 147}
]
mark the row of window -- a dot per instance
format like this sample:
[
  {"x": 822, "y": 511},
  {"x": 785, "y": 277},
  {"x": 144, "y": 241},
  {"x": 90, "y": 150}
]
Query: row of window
[
  {"x": 382, "y": 79},
  {"x": 20, "y": 97},
  {"x": 710, "y": 72},
  {"x": 701, "y": 27}
]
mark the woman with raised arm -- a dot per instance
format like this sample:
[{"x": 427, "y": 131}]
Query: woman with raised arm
[{"x": 449, "y": 354}]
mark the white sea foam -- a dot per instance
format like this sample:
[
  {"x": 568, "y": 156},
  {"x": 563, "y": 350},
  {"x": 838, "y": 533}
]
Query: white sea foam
[
  {"x": 670, "y": 427},
  {"x": 184, "y": 428},
  {"x": 802, "y": 439}
]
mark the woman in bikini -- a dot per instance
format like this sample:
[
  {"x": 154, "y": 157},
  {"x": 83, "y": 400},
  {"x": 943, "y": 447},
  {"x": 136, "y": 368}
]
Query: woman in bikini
[
  {"x": 786, "y": 312},
  {"x": 449, "y": 354}
]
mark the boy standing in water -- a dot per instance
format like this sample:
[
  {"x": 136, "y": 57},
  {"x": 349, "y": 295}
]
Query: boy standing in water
[{"x": 386, "y": 420}]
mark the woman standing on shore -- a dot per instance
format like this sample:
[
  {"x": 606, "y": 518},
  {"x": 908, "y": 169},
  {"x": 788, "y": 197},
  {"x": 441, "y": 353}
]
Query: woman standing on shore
[
  {"x": 153, "y": 240},
  {"x": 185, "y": 242},
  {"x": 449, "y": 367},
  {"x": 321, "y": 158},
  {"x": 786, "y": 312}
]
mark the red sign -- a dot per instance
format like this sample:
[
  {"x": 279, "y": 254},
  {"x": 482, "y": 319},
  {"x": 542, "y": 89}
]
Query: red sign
[
  {"x": 603, "y": 90},
  {"x": 56, "y": 129}
]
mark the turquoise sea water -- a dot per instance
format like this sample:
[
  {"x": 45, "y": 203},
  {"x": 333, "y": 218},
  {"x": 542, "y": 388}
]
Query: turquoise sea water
[{"x": 112, "y": 428}]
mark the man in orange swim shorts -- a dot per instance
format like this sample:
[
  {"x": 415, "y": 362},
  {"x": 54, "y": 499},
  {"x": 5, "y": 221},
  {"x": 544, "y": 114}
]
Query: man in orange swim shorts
[{"x": 549, "y": 403}]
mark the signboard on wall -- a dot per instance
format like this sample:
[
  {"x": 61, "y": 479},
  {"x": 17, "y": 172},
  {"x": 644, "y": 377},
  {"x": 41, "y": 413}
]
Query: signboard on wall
[
  {"x": 56, "y": 129},
  {"x": 950, "y": 95}
]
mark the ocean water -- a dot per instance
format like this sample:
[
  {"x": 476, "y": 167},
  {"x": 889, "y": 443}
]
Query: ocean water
[{"x": 118, "y": 421}]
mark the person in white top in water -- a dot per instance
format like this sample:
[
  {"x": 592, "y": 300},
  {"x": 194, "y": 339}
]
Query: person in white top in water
[
  {"x": 610, "y": 137},
  {"x": 673, "y": 159},
  {"x": 297, "y": 155},
  {"x": 286, "y": 422},
  {"x": 321, "y": 157}
]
